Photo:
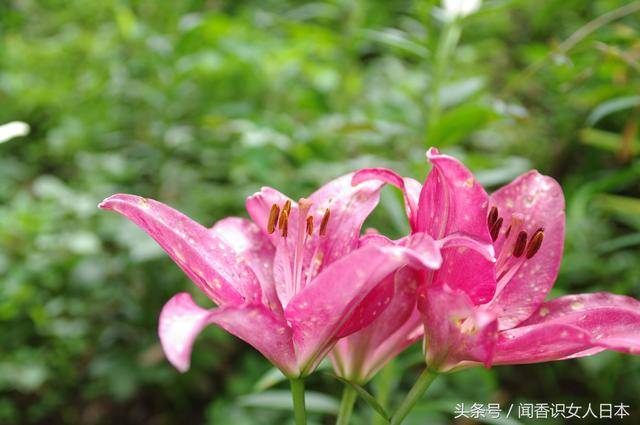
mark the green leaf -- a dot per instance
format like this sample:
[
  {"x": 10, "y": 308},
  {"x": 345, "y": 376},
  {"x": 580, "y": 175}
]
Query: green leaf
[
  {"x": 272, "y": 377},
  {"x": 458, "y": 123},
  {"x": 281, "y": 400},
  {"x": 604, "y": 140},
  {"x": 611, "y": 106},
  {"x": 397, "y": 39},
  {"x": 457, "y": 92},
  {"x": 365, "y": 395}
]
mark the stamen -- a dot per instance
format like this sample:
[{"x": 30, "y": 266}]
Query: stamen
[
  {"x": 520, "y": 245},
  {"x": 273, "y": 218},
  {"x": 506, "y": 234},
  {"x": 495, "y": 229},
  {"x": 287, "y": 206},
  {"x": 283, "y": 224},
  {"x": 535, "y": 243},
  {"x": 309, "y": 225},
  {"x": 492, "y": 218},
  {"x": 283, "y": 217},
  {"x": 324, "y": 222}
]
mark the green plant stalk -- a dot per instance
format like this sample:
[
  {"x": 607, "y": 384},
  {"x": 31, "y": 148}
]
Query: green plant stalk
[
  {"x": 384, "y": 384},
  {"x": 424, "y": 381},
  {"x": 299, "y": 408},
  {"x": 349, "y": 397},
  {"x": 446, "y": 46}
]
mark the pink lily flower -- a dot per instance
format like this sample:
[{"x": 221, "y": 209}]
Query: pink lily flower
[
  {"x": 465, "y": 244},
  {"x": 359, "y": 356},
  {"x": 525, "y": 221},
  {"x": 290, "y": 282}
]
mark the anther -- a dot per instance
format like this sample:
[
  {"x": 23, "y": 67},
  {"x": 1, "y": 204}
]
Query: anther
[
  {"x": 309, "y": 225},
  {"x": 495, "y": 228},
  {"x": 534, "y": 243},
  {"x": 492, "y": 218},
  {"x": 287, "y": 206},
  {"x": 324, "y": 222},
  {"x": 521, "y": 243},
  {"x": 283, "y": 222},
  {"x": 273, "y": 218},
  {"x": 506, "y": 234}
]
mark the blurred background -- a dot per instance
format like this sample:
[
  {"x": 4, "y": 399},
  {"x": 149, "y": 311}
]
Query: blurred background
[{"x": 198, "y": 103}]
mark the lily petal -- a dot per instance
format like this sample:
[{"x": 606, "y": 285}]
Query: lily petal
[
  {"x": 540, "y": 343},
  {"x": 455, "y": 330},
  {"x": 253, "y": 247},
  {"x": 349, "y": 207},
  {"x": 540, "y": 201},
  {"x": 452, "y": 200},
  {"x": 212, "y": 264},
  {"x": 181, "y": 320},
  {"x": 467, "y": 265},
  {"x": 573, "y": 326},
  {"x": 422, "y": 249},
  {"x": 410, "y": 188},
  {"x": 318, "y": 313},
  {"x": 361, "y": 355},
  {"x": 612, "y": 321},
  {"x": 259, "y": 206}
]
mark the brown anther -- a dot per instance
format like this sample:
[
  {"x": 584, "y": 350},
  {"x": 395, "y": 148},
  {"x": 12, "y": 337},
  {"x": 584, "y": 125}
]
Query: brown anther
[
  {"x": 534, "y": 243},
  {"x": 309, "y": 225},
  {"x": 287, "y": 206},
  {"x": 324, "y": 222},
  {"x": 273, "y": 218},
  {"x": 493, "y": 217},
  {"x": 495, "y": 229},
  {"x": 506, "y": 234},
  {"x": 521, "y": 243},
  {"x": 283, "y": 222}
]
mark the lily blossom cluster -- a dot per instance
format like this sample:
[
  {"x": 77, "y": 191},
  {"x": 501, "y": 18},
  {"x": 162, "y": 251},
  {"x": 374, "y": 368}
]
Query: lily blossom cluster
[
  {"x": 477, "y": 311},
  {"x": 298, "y": 281}
]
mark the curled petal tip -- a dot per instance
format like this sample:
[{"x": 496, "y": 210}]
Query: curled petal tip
[
  {"x": 107, "y": 203},
  {"x": 432, "y": 152},
  {"x": 122, "y": 198}
]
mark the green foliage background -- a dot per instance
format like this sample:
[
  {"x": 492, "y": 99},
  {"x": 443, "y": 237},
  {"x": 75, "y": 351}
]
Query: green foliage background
[{"x": 199, "y": 103}]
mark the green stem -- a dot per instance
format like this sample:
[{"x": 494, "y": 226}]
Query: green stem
[
  {"x": 446, "y": 46},
  {"x": 424, "y": 380},
  {"x": 384, "y": 383},
  {"x": 299, "y": 409},
  {"x": 349, "y": 396}
]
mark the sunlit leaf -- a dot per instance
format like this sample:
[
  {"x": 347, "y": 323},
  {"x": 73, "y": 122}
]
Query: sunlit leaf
[
  {"x": 272, "y": 377},
  {"x": 611, "y": 106},
  {"x": 281, "y": 400}
]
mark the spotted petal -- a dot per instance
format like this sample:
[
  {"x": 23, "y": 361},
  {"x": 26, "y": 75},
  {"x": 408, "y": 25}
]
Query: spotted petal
[
  {"x": 360, "y": 356},
  {"x": 210, "y": 262},
  {"x": 455, "y": 330},
  {"x": 318, "y": 313},
  {"x": 410, "y": 188},
  {"x": 452, "y": 200},
  {"x": 253, "y": 247},
  {"x": 612, "y": 321},
  {"x": 540, "y": 201},
  {"x": 349, "y": 207},
  {"x": 467, "y": 265},
  {"x": 181, "y": 320},
  {"x": 259, "y": 206}
]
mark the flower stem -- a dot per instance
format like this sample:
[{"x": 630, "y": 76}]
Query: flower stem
[
  {"x": 424, "y": 380},
  {"x": 299, "y": 408},
  {"x": 446, "y": 46},
  {"x": 349, "y": 396}
]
